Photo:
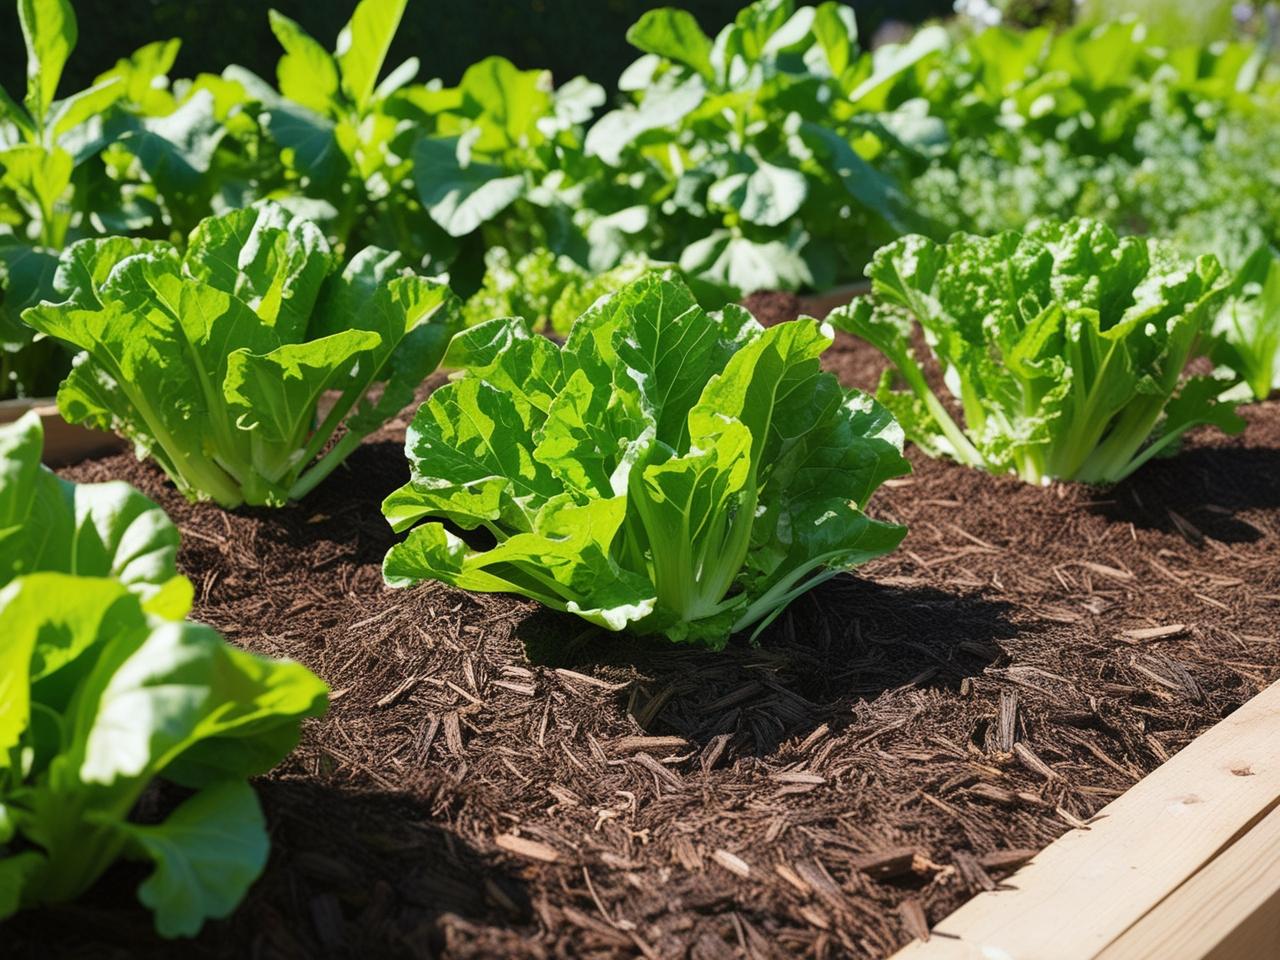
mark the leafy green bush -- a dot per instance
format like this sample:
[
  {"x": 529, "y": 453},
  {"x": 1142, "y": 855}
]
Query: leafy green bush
[
  {"x": 106, "y": 690},
  {"x": 503, "y": 139},
  {"x": 759, "y": 147},
  {"x": 1064, "y": 349},
  {"x": 668, "y": 471},
  {"x": 217, "y": 363}
]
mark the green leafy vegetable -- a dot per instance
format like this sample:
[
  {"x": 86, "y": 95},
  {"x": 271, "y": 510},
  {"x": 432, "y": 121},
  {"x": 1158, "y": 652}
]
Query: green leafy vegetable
[
  {"x": 48, "y": 524},
  {"x": 216, "y": 362},
  {"x": 99, "y": 699},
  {"x": 549, "y": 291},
  {"x": 668, "y": 471},
  {"x": 1063, "y": 349},
  {"x": 1248, "y": 326},
  {"x": 760, "y": 146}
]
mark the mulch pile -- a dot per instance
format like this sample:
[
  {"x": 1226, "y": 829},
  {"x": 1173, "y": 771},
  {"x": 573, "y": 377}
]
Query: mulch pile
[{"x": 494, "y": 780}]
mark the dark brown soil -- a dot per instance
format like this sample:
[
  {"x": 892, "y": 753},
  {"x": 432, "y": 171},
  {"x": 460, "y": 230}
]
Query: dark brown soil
[{"x": 498, "y": 781}]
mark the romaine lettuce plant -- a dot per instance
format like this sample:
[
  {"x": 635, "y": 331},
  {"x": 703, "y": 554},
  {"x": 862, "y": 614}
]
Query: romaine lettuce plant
[
  {"x": 48, "y": 524},
  {"x": 235, "y": 364},
  {"x": 1063, "y": 350},
  {"x": 667, "y": 471},
  {"x": 101, "y": 699},
  {"x": 1247, "y": 328}
]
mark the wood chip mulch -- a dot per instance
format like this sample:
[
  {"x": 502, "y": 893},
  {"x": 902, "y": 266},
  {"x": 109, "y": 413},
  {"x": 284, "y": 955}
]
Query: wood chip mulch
[{"x": 494, "y": 780}]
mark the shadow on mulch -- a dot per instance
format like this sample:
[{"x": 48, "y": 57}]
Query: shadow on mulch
[
  {"x": 352, "y": 873},
  {"x": 1199, "y": 493},
  {"x": 847, "y": 642}
]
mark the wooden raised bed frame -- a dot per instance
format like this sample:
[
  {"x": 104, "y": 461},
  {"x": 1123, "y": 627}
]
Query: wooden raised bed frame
[
  {"x": 1186, "y": 864},
  {"x": 64, "y": 443}
]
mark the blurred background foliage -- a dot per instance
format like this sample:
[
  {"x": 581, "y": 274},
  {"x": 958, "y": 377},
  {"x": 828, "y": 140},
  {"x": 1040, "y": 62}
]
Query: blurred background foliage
[{"x": 569, "y": 37}]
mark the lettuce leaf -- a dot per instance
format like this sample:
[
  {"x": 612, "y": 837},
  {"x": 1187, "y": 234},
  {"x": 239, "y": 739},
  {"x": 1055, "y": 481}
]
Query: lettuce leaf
[{"x": 89, "y": 529}]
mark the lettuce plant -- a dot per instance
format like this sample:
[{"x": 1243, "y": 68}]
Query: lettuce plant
[
  {"x": 105, "y": 690},
  {"x": 1063, "y": 349},
  {"x": 102, "y": 699},
  {"x": 48, "y": 524},
  {"x": 235, "y": 364},
  {"x": 1248, "y": 326},
  {"x": 667, "y": 471}
]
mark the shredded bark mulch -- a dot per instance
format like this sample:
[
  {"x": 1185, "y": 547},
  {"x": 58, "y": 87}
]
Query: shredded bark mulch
[{"x": 494, "y": 780}]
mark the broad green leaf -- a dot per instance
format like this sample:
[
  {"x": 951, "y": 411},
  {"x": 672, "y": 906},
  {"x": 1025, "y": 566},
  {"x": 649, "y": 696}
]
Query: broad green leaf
[
  {"x": 274, "y": 395},
  {"x": 508, "y": 103},
  {"x": 191, "y": 686},
  {"x": 306, "y": 73},
  {"x": 477, "y": 441},
  {"x": 177, "y": 150},
  {"x": 869, "y": 186},
  {"x": 740, "y": 266},
  {"x": 207, "y": 854},
  {"x": 49, "y": 32},
  {"x": 460, "y": 197},
  {"x": 769, "y": 195},
  {"x": 836, "y": 31},
  {"x": 42, "y": 637},
  {"x": 143, "y": 75},
  {"x": 79, "y": 108},
  {"x": 85, "y": 266},
  {"x": 564, "y": 561},
  {"x": 507, "y": 355},
  {"x": 311, "y": 141},
  {"x": 661, "y": 108},
  {"x": 363, "y": 44},
  {"x": 40, "y": 174},
  {"x": 673, "y": 34},
  {"x": 273, "y": 262}
]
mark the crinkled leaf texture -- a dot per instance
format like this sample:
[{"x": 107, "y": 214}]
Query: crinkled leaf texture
[
  {"x": 1064, "y": 349},
  {"x": 90, "y": 529},
  {"x": 100, "y": 698},
  {"x": 666, "y": 471},
  {"x": 215, "y": 362}
]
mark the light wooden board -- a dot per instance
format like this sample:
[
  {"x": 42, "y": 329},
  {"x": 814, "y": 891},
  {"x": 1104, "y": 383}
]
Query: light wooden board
[
  {"x": 64, "y": 443},
  {"x": 1087, "y": 888},
  {"x": 1230, "y": 910}
]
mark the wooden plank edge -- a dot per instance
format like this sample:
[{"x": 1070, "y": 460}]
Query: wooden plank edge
[
  {"x": 1230, "y": 910},
  {"x": 1083, "y": 891}
]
